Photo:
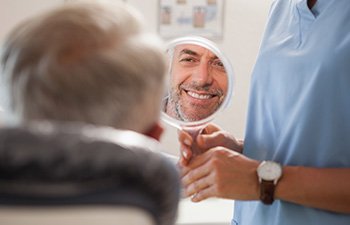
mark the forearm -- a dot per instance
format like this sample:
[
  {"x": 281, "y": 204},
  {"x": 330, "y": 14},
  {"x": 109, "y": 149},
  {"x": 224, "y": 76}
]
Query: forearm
[{"x": 327, "y": 189}]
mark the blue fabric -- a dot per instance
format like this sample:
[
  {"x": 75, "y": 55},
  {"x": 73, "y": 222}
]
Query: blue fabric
[{"x": 299, "y": 110}]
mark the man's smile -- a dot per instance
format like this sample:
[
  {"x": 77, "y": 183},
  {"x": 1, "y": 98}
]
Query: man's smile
[{"x": 199, "y": 96}]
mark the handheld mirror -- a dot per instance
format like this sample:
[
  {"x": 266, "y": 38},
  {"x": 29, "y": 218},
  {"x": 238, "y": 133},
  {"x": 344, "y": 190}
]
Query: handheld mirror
[{"x": 200, "y": 83}]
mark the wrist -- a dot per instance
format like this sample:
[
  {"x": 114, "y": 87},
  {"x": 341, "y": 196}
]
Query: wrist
[{"x": 269, "y": 173}]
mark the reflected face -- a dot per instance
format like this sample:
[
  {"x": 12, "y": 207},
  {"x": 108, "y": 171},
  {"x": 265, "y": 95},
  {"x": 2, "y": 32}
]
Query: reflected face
[{"x": 198, "y": 83}]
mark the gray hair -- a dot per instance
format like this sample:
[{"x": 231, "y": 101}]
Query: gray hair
[{"x": 87, "y": 63}]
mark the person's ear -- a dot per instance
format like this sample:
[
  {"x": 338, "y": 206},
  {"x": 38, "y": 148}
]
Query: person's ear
[{"x": 155, "y": 131}]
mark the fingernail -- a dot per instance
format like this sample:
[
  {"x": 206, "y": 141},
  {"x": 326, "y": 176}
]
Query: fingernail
[
  {"x": 194, "y": 198},
  {"x": 185, "y": 154},
  {"x": 187, "y": 142}
]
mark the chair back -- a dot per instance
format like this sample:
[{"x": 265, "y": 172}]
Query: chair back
[{"x": 81, "y": 174}]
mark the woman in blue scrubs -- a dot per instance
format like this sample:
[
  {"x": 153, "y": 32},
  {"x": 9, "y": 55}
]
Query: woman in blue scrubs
[{"x": 298, "y": 121}]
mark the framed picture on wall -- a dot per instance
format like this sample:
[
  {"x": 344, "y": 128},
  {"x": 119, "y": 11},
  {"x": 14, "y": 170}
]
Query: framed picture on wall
[
  {"x": 95, "y": 1},
  {"x": 191, "y": 17}
]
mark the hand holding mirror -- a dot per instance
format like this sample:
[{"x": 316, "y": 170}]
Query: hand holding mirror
[{"x": 200, "y": 83}]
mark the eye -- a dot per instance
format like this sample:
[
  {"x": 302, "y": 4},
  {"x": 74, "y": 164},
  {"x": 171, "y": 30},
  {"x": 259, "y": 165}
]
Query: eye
[
  {"x": 188, "y": 60},
  {"x": 217, "y": 64}
]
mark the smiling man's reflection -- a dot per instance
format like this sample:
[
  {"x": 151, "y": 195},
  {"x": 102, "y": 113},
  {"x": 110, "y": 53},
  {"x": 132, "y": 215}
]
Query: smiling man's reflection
[{"x": 198, "y": 83}]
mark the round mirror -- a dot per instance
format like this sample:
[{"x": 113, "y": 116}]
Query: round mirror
[{"x": 200, "y": 82}]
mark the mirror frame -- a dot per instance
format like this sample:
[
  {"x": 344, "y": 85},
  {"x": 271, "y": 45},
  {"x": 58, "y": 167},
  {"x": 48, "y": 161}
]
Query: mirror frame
[{"x": 205, "y": 43}]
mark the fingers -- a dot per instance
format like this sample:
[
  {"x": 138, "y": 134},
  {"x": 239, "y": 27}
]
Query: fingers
[
  {"x": 202, "y": 189},
  {"x": 211, "y": 140},
  {"x": 184, "y": 138},
  {"x": 198, "y": 177},
  {"x": 186, "y": 155},
  {"x": 194, "y": 174},
  {"x": 200, "y": 183},
  {"x": 219, "y": 138},
  {"x": 210, "y": 137},
  {"x": 203, "y": 194},
  {"x": 211, "y": 128},
  {"x": 195, "y": 164},
  {"x": 186, "y": 142}
]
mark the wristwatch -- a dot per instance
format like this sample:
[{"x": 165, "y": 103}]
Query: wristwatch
[{"x": 269, "y": 173}]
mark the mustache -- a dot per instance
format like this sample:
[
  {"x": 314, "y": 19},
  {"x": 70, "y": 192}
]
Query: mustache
[{"x": 198, "y": 87}]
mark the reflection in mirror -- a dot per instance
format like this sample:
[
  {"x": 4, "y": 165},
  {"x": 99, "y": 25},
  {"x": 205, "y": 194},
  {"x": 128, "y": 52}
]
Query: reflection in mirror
[{"x": 198, "y": 83}]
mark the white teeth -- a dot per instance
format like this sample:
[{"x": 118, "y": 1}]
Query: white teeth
[{"x": 195, "y": 95}]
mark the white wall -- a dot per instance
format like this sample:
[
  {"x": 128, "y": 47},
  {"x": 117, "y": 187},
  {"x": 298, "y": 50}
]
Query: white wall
[
  {"x": 14, "y": 11},
  {"x": 243, "y": 26}
]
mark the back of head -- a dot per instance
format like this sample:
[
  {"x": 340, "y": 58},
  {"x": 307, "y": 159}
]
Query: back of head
[{"x": 85, "y": 62}]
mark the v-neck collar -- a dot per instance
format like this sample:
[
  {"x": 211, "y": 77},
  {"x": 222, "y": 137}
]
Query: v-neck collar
[
  {"x": 315, "y": 11},
  {"x": 320, "y": 6},
  {"x": 307, "y": 17}
]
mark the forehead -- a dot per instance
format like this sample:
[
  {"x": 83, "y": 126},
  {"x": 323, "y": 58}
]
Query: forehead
[{"x": 192, "y": 49}]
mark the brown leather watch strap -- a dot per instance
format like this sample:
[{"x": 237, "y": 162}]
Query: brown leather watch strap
[{"x": 267, "y": 190}]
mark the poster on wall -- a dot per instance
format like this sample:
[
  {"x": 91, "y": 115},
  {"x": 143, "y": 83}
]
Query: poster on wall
[
  {"x": 101, "y": 1},
  {"x": 191, "y": 17}
]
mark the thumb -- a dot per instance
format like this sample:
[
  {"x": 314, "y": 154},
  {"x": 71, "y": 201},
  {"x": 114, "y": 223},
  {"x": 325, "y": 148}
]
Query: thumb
[{"x": 207, "y": 141}]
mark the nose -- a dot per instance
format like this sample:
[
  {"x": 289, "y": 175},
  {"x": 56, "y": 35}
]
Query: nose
[{"x": 202, "y": 74}]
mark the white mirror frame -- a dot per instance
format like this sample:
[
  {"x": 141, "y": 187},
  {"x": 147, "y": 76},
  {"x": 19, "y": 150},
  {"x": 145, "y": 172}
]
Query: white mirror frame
[{"x": 203, "y": 42}]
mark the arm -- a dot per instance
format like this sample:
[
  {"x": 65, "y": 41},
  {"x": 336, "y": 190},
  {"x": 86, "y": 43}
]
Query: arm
[
  {"x": 223, "y": 173},
  {"x": 323, "y": 188}
]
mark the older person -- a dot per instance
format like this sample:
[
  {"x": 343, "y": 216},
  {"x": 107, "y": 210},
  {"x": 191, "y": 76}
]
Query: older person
[
  {"x": 77, "y": 66},
  {"x": 85, "y": 63}
]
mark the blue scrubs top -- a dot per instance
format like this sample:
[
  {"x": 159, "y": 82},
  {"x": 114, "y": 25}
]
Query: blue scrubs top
[{"x": 299, "y": 110}]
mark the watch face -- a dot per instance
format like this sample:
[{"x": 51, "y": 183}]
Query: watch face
[{"x": 269, "y": 170}]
